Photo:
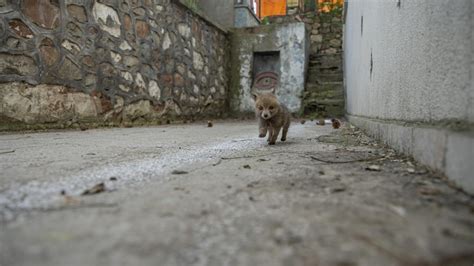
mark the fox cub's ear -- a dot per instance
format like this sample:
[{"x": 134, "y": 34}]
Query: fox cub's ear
[{"x": 254, "y": 95}]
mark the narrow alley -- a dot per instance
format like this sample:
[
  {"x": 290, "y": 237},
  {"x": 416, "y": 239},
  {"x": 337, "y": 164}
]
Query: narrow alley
[{"x": 198, "y": 195}]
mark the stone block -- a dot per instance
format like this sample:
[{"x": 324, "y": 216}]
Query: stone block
[
  {"x": 78, "y": 12},
  {"x": 459, "y": 160},
  {"x": 69, "y": 70},
  {"x": 20, "y": 28},
  {"x": 48, "y": 52},
  {"x": 43, "y": 13},
  {"x": 142, "y": 29},
  {"x": 138, "y": 109},
  {"x": 46, "y": 103},
  {"x": 107, "y": 18},
  {"x": 429, "y": 147},
  {"x": 21, "y": 65},
  {"x": 400, "y": 138}
]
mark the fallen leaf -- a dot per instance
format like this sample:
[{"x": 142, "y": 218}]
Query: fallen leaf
[
  {"x": 99, "y": 188},
  {"x": 246, "y": 166},
  {"x": 69, "y": 200},
  {"x": 113, "y": 178},
  {"x": 411, "y": 170},
  {"x": 398, "y": 210}
]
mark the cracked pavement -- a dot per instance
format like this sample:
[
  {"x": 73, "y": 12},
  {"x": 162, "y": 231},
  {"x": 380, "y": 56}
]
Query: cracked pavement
[{"x": 193, "y": 195}]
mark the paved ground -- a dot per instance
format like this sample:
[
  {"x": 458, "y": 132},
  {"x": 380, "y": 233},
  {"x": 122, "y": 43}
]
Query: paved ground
[{"x": 192, "y": 195}]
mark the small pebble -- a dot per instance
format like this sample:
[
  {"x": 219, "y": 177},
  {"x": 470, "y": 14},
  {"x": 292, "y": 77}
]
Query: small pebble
[{"x": 373, "y": 167}]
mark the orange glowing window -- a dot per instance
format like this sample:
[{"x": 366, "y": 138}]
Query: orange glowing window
[{"x": 272, "y": 8}]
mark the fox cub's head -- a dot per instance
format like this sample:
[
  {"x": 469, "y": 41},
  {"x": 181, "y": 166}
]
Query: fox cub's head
[{"x": 266, "y": 104}]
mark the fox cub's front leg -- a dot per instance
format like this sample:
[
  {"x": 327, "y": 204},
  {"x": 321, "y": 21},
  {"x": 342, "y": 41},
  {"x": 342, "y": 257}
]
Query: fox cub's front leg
[
  {"x": 274, "y": 135},
  {"x": 262, "y": 128}
]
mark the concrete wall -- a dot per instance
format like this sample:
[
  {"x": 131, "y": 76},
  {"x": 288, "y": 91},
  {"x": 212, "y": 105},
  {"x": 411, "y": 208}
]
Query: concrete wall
[
  {"x": 229, "y": 14},
  {"x": 104, "y": 62},
  {"x": 291, "y": 41},
  {"x": 244, "y": 17},
  {"x": 409, "y": 79},
  {"x": 222, "y": 11}
]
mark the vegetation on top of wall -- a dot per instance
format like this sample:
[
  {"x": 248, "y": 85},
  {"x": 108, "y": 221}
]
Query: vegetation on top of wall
[
  {"x": 333, "y": 8},
  {"x": 330, "y": 6},
  {"x": 265, "y": 21}
]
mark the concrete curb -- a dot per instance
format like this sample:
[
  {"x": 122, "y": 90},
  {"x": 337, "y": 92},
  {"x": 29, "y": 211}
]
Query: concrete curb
[{"x": 446, "y": 151}]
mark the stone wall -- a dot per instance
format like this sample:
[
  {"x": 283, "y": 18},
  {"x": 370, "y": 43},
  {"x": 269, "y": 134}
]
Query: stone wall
[
  {"x": 67, "y": 62},
  {"x": 324, "y": 90}
]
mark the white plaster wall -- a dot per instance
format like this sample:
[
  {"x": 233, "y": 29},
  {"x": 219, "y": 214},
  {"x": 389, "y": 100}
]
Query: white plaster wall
[
  {"x": 421, "y": 52},
  {"x": 422, "y": 59},
  {"x": 290, "y": 40}
]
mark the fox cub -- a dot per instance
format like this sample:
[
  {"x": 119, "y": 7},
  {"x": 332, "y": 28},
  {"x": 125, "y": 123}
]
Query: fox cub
[{"x": 272, "y": 116}]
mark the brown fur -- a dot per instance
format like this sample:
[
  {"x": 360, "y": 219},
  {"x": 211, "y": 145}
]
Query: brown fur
[{"x": 272, "y": 116}]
